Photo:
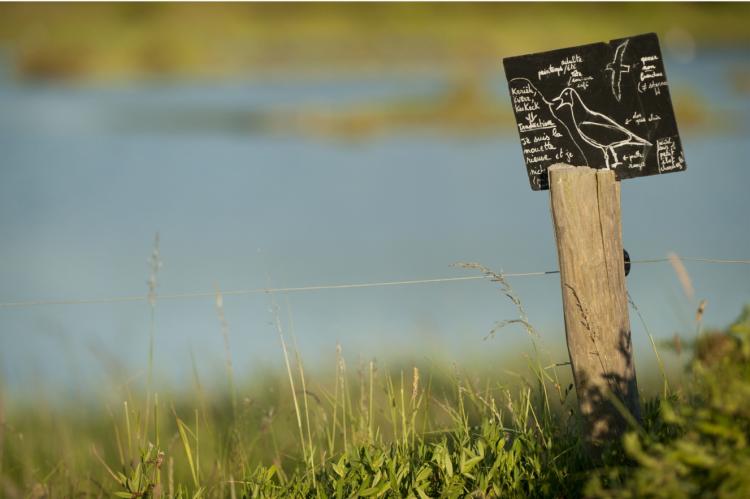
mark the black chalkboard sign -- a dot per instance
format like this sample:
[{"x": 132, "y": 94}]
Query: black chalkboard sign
[{"x": 604, "y": 105}]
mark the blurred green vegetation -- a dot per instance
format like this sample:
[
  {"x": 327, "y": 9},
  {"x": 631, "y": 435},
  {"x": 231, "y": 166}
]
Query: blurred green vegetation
[
  {"x": 465, "y": 107},
  {"x": 131, "y": 40},
  {"x": 696, "y": 445},
  {"x": 107, "y": 42}
]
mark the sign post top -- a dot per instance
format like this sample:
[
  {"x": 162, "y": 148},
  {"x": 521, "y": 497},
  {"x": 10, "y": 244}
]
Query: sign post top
[{"x": 603, "y": 105}]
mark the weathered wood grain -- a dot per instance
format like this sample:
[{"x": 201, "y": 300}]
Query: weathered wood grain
[{"x": 586, "y": 216}]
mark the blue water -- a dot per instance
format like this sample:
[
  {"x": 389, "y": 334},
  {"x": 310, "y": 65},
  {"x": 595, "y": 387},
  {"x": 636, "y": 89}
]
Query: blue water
[{"x": 84, "y": 186}]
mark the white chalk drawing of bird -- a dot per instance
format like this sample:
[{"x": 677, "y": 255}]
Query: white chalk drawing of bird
[
  {"x": 618, "y": 68},
  {"x": 596, "y": 129},
  {"x": 551, "y": 107}
]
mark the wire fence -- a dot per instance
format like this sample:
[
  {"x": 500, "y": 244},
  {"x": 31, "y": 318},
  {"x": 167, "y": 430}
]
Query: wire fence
[{"x": 320, "y": 287}]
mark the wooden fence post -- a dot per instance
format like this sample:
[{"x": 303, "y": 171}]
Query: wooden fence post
[{"x": 586, "y": 216}]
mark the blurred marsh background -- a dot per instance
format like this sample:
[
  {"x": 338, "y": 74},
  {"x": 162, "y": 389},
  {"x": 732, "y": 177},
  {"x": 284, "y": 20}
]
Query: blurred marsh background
[{"x": 303, "y": 144}]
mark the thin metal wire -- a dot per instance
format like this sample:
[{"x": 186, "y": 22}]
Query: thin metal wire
[
  {"x": 713, "y": 260},
  {"x": 239, "y": 292}
]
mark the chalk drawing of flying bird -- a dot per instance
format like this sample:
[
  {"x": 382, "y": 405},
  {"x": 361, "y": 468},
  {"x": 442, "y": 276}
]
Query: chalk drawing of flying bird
[
  {"x": 596, "y": 129},
  {"x": 618, "y": 68}
]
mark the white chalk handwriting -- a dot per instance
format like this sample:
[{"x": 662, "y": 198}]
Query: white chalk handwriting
[
  {"x": 651, "y": 78},
  {"x": 667, "y": 155}
]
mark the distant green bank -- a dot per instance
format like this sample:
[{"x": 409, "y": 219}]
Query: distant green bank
[
  {"x": 465, "y": 107},
  {"x": 104, "y": 41}
]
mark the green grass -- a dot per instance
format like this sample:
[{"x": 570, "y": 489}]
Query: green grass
[
  {"x": 431, "y": 430},
  {"x": 379, "y": 430}
]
